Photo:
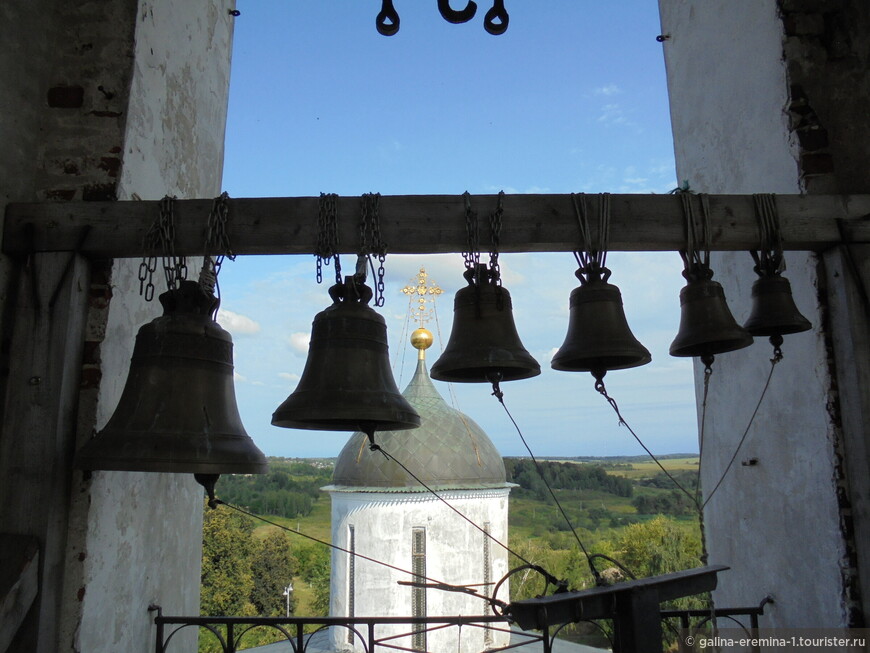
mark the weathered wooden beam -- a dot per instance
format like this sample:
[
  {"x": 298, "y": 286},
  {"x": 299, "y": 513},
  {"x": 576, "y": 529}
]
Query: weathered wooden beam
[
  {"x": 19, "y": 582},
  {"x": 421, "y": 224}
]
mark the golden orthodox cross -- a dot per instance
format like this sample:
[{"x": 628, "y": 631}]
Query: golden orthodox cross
[{"x": 423, "y": 288}]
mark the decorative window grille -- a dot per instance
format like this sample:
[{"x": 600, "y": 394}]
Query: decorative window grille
[
  {"x": 351, "y": 577},
  {"x": 418, "y": 594},
  {"x": 487, "y": 580}
]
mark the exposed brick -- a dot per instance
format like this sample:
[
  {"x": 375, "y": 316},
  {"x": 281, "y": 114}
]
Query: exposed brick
[
  {"x": 71, "y": 168},
  {"x": 812, "y": 139},
  {"x": 99, "y": 296},
  {"x": 111, "y": 164},
  {"x": 66, "y": 97},
  {"x": 65, "y": 194},
  {"x": 99, "y": 193},
  {"x": 91, "y": 352},
  {"x": 817, "y": 163},
  {"x": 91, "y": 377},
  {"x": 101, "y": 271}
]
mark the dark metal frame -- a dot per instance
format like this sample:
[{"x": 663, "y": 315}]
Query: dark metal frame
[{"x": 293, "y": 628}]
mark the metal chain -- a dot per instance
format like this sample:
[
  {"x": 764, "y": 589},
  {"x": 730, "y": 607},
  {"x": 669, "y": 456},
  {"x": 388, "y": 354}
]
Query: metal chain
[
  {"x": 472, "y": 232},
  {"x": 217, "y": 242},
  {"x": 327, "y": 235},
  {"x": 160, "y": 237},
  {"x": 371, "y": 243},
  {"x": 495, "y": 219}
]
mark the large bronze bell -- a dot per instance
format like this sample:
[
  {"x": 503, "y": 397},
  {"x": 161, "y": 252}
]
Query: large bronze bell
[
  {"x": 599, "y": 338},
  {"x": 773, "y": 309},
  {"x": 484, "y": 346},
  {"x": 178, "y": 410},
  {"x": 706, "y": 324},
  {"x": 347, "y": 383}
]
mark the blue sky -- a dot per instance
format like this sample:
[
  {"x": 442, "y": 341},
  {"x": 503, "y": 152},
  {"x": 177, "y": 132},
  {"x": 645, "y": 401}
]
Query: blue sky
[{"x": 572, "y": 98}]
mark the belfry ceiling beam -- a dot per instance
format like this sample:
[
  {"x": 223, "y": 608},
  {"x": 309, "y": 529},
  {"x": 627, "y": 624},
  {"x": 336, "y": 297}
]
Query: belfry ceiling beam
[{"x": 428, "y": 224}]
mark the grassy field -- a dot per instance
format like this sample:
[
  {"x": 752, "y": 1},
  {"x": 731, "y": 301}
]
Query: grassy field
[{"x": 649, "y": 468}]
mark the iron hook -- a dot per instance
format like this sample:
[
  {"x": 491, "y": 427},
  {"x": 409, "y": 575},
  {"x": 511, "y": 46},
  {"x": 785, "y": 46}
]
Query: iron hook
[
  {"x": 454, "y": 16},
  {"x": 496, "y": 13},
  {"x": 387, "y": 21}
]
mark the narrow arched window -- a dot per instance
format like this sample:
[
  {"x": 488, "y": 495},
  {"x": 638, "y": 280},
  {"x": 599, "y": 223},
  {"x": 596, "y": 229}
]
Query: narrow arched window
[{"x": 418, "y": 595}]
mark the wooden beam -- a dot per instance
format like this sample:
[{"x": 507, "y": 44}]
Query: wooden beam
[
  {"x": 19, "y": 582},
  {"x": 421, "y": 224}
]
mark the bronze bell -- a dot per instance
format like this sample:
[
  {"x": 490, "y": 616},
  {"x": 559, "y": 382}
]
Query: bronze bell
[
  {"x": 706, "y": 324},
  {"x": 484, "y": 346},
  {"x": 598, "y": 338},
  {"x": 347, "y": 383},
  {"x": 178, "y": 410},
  {"x": 773, "y": 309}
]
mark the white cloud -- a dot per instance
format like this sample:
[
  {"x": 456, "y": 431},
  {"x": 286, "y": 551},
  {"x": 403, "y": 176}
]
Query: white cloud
[
  {"x": 236, "y": 324},
  {"x": 288, "y": 376},
  {"x": 238, "y": 378},
  {"x": 608, "y": 90},
  {"x": 299, "y": 342}
]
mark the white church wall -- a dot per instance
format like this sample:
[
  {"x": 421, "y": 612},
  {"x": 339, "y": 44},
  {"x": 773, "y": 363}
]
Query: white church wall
[
  {"x": 383, "y": 524},
  {"x": 775, "y": 523},
  {"x": 124, "y": 523}
]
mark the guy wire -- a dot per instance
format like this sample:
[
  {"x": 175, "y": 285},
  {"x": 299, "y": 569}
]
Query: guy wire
[
  {"x": 498, "y": 394},
  {"x": 459, "y": 588},
  {"x": 773, "y": 362},
  {"x": 388, "y": 456},
  {"x": 599, "y": 385}
]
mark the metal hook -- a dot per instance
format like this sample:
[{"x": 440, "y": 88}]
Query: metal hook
[
  {"x": 496, "y": 13},
  {"x": 387, "y": 21},
  {"x": 456, "y": 17}
]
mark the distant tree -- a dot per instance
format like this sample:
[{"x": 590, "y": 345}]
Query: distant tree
[
  {"x": 227, "y": 552},
  {"x": 658, "y": 546},
  {"x": 272, "y": 569}
]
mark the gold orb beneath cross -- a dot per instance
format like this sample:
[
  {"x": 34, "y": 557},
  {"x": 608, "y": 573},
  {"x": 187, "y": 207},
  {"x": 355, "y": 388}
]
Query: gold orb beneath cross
[{"x": 421, "y": 339}]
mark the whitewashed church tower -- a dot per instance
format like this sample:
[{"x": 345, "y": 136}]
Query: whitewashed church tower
[{"x": 380, "y": 511}]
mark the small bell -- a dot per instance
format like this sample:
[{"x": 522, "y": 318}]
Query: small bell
[
  {"x": 706, "y": 324},
  {"x": 599, "y": 338},
  {"x": 347, "y": 383},
  {"x": 773, "y": 309},
  {"x": 178, "y": 410},
  {"x": 484, "y": 346}
]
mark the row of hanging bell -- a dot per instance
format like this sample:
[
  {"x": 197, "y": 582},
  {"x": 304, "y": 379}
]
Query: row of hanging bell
[
  {"x": 707, "y": 326},
  {"x": 178, "y": 412},
  {"x": 599, "y": 338},
  {"x": 347, "y": 383},
  {"x": 484, "y": 346}
]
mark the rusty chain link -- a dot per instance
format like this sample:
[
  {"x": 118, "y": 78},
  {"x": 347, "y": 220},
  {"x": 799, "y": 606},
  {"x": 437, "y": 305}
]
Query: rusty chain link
[
  {"x": 217, "y": 245},
  {"x": 160, "y": 237},
  {"x": 327, "y": 235},
  {"x": 370, "y": 241}
]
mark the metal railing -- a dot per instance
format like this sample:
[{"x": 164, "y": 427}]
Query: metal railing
[
  {"x": 369, "y": 632},
  {"x": 694, "y": 620}
]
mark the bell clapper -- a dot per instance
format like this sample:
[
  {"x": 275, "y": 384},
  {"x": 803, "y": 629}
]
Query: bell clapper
[
  {"x": 495, "y": 378},
  {"x": 707, "y": 360},
  {"x": 776, "y": 341},
  {"x": 599, "y": 381},
  {"x": 208, "y": 481}
]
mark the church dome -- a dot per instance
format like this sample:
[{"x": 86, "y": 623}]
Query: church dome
[{"x": 447, "y": 451}]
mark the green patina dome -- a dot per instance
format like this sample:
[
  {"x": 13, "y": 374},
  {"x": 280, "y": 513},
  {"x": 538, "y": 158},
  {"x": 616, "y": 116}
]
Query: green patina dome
[{"x": 448, "y": 451}]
